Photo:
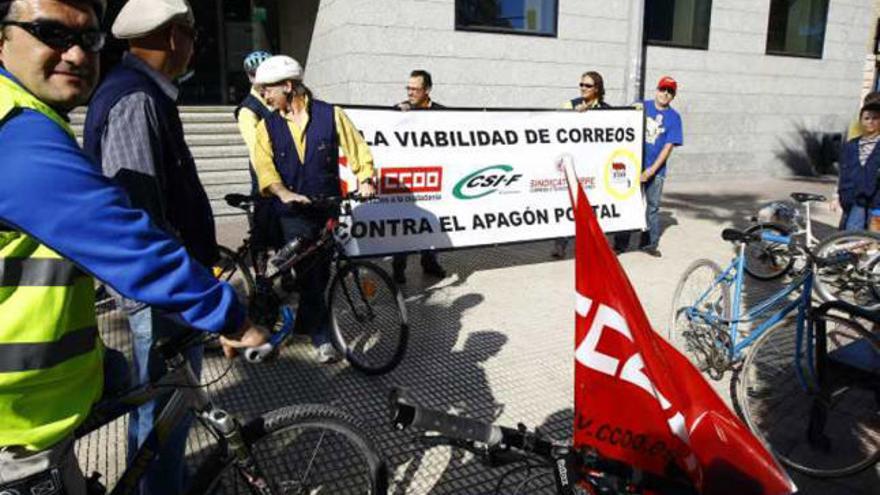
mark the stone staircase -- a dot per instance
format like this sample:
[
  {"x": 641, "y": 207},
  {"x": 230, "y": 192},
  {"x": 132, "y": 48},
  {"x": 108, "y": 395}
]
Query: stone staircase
[{"x": 219, "y": 151}]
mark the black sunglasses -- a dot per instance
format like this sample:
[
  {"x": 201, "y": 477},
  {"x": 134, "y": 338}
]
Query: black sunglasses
[
  {"x": 667, "y": 90},
  {"x": 585, "y": 85},
  {"x": 61, "y": 37}
]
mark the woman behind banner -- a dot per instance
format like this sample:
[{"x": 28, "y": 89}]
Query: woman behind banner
[
  {"x": 314, "y": 130},
  {"x": 592, "y": 96}
]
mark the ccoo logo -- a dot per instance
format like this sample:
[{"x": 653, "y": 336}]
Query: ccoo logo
[{"x": 485, "y": 181}]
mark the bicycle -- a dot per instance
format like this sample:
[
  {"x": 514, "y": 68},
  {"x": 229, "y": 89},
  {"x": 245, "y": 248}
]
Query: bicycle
[
  {"x": 831, "y": 427},
  {"x": 574, "y": 470},
  {"x": 367, "y": 312},
  {"x": 305, "y": 448},
  {"x": 706, "y": 326},
  {"x": 857, "y": 282}
]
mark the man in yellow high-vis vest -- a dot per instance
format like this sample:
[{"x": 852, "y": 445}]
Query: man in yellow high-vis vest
[{"x": 62, "y": 222}]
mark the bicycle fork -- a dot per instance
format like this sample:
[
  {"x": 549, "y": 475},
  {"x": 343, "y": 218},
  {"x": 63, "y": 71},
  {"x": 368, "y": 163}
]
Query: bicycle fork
[{"x": 238, "y": 449}]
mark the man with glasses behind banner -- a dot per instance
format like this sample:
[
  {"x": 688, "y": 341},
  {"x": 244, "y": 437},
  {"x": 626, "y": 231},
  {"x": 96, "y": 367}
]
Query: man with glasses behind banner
[
  {"x": 662, "y": 134},
  {"x": 62, "y": 221},
  {"x": 133, "y": 130}
]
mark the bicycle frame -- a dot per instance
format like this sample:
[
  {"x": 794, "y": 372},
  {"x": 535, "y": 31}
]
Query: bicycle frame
[
  {"x": 734, "y": 275},
  {"x": 186, "y": 395}
]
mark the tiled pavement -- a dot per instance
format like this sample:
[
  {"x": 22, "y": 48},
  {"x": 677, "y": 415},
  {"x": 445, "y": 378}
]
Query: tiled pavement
[{"x": 492, "y": 341}]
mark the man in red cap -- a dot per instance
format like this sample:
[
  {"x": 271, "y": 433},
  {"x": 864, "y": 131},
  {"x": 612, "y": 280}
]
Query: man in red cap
[{"x": 662, "y": 133}]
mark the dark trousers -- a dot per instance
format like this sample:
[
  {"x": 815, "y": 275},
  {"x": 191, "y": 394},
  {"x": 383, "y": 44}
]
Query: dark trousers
[
  {"x": 398, "y": 262},
  {"x": 313, "y": 316}
]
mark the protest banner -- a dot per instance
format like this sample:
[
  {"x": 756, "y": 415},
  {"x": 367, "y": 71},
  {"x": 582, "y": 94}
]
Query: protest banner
[{"x": 462, "y": 178}]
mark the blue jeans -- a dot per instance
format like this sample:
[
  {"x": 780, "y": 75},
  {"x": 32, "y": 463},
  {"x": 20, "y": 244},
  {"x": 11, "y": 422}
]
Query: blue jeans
[
  {"x": 652, "y": 190},
  {"x": 167, "y": 474},
  {"x": 313, "y": 316},
  {"x": 856, "y": 218}
]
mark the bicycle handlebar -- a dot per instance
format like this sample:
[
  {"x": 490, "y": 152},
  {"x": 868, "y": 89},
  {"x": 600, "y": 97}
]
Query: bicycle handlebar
[{"x": 491, "y": 440}]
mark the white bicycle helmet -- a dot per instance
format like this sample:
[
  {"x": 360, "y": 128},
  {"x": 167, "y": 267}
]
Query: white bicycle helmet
[
  {"x": 254, "y": 59},
  {"x": 278, "y": 68}
]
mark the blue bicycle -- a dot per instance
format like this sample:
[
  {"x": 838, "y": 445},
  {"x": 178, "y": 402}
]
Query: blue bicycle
[{"x": 776, "y": 380}]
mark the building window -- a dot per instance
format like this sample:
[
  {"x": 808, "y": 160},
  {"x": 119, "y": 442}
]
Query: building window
[
  {"x": 797, "y": 27},
  {"x": 682, "y": 23},
  {"x": 536, "y": 17}
]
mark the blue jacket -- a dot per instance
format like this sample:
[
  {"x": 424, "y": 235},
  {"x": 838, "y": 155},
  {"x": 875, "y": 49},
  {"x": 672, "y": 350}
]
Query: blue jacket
[
  {"x": 857, "y": 185},
  {"x": 51, "y": 191}
]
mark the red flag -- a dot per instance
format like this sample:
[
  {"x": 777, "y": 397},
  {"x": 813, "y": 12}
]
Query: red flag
[{"x": 640, "y": 401}]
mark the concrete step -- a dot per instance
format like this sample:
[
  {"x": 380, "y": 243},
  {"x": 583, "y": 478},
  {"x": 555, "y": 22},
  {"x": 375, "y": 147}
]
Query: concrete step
[
  {"x": 218, "y": 139},
  {"x": 219, "y": 164},
  {"x": 209, "y": 127},
  {"x": 226, "y": 177},
  {"x": 217, "y": 151}
]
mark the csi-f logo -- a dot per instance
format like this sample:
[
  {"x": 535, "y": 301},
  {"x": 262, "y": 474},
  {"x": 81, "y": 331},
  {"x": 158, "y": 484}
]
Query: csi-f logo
[
  {"x": 405, "y": 180},
  {"x": 485, "y": 181}
]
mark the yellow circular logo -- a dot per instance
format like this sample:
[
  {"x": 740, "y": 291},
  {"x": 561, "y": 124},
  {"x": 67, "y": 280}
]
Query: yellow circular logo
[{"x": 623, "y": 172}]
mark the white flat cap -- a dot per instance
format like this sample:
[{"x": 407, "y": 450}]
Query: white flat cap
[{"x": 139, "y": 18}]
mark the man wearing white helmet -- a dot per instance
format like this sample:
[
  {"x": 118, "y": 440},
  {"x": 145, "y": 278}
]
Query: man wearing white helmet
[
  {"x": 297, "y": 157},
  {"x": 133, "y": 130}
]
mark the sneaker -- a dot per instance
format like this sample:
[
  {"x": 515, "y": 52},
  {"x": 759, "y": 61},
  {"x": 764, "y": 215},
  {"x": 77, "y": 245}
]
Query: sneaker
[
  {"x": 327, "y": 354},
  {"x": 652, "y": 251},
  {"x": 433, "y": 268}
]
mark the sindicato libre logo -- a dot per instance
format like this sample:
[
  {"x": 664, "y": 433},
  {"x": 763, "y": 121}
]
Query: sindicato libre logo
[{"x": 485, "y": 181}]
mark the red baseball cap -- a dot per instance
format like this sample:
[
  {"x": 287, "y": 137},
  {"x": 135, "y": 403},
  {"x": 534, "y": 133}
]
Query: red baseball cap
[{"x": 667, "y": 82}]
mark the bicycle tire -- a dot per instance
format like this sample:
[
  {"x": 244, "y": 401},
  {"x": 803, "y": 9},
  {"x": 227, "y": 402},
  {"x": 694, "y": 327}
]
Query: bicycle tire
[
  {"x": 234, "y": 271},
  {"x": 309, "y": 436},
  {"x": 777, "y": 407},
  {"x": 850, "y": 282},
  {"x": 696, "y": 279},
  {"x": 368, "y": 317},
  {"x": 766, "y": 260}
]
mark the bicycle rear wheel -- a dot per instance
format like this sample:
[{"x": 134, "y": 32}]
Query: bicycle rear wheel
[
  {"x": 698, "y": 292},
  {"x": 778, "y": 408},
  {"x": 767, "y": 260},
  {"x": 303, "y": 449},
  {"x": 231, "y": 269},
  {"x": 368, "y": 317},
  {"x": 853, "y": 282}
]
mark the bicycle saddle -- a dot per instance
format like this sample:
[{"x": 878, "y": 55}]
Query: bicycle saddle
[
  {"x": 801, "y": 197},
  {"x": 237, "y": 200},
  {"x": 734, "y": 235}
]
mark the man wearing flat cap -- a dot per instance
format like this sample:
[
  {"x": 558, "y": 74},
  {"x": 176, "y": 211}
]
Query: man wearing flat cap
[
  {"x": 133, "y": 130},
  {"x": 61, "y": 223}
]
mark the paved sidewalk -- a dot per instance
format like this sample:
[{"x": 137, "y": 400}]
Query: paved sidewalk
[{"x": 493, "y": 340}]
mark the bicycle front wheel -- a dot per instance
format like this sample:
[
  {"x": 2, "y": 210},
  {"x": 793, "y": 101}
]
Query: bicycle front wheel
[
  {"x": 368, "y": 317},
  {"x": 764, "y": 259},
  {"x": 854, "y": 282},
  {"x": 232, "y": 270},
  {"x": 779, "y": 400},
  {"x": 303, "y": 449},
  {"x": 698, "y": 295}
]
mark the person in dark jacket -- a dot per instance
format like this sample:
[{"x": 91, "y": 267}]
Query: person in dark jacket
[
  {"x": 133, "y": 131},
  {"x": 418, "y": 97},
  {"x": 857, "y": 185}
]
